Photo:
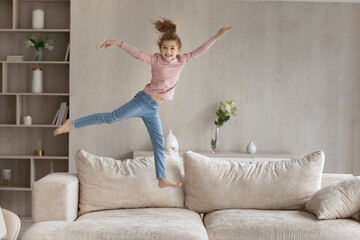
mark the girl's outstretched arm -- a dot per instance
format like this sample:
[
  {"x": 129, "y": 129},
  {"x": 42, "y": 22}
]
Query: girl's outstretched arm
[
  {"x": 133, "y": 51},
  {"x": 206, "y": 46},
  {"x": 109, "y": 43},
  {"x": 221, "y": 32}
]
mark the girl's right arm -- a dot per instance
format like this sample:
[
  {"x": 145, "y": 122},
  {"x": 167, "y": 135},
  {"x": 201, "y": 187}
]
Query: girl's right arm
[{"x": 133, "y": 51}]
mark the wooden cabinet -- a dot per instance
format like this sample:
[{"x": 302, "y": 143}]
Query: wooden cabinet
[{"x": 18, "y": 141}]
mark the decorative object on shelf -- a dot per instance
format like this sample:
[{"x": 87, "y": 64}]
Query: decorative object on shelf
[
  {"x": 6, "y": 177},
  {"x": 39, "y": 44},
  {"x": 39, "y": 151},
  {"x": 51, "y": 166},
  {"x": 37, "y": 82},
  {"x": 251, "y": 148},
  {"x": 171, "y": 141},
  {"x": 14, "y": 58},
  {"x": 27, "y": 120},
  {"x": 38, "y": 19},
  {"x": 223, "y": 112}
]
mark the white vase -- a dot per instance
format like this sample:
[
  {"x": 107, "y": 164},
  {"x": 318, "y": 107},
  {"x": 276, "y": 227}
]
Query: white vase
[
  {"x": 171, "y": 142},
  {"x": 37, "y": 82},
  {"x": 27, "y": 120},
  {"x": 251, "y": 148},
  {"x": 38, "y": 19}
]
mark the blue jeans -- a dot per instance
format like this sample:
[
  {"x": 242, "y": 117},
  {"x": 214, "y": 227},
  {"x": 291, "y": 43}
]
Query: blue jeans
[{"x": 141, "y": 106}]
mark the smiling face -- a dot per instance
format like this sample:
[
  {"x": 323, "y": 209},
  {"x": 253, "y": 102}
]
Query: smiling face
[{"x": 169, "y": 50}]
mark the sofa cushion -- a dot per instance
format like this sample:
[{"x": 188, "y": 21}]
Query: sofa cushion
[
  {"x": 124, "y": 224},
  {"x": 2, "y": 226},
  {"x": 338, "y": 200},
  {"x": 234, "y": 224},
  {"x": 106, "y": 183},
  {"x": 212, "y": 184}
]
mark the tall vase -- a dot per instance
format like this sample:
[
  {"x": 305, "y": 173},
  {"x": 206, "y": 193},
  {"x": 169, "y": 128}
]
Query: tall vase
[
  {"x": 39, "y": 54},
  {"x": 215, "y": 143},
  {"x": 171, "y": 142}
]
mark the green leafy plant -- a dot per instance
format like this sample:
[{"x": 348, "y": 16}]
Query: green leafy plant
[
  {"x": 38, "y": 43},
  {"x": 224, "y": 111}
]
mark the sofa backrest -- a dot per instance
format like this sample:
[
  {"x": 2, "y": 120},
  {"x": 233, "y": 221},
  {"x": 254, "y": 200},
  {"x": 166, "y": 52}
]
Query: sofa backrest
[{"x": 329, "y": 178}]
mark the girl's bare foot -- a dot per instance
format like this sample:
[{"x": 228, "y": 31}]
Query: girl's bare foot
[
  {"x": 164, "y": 182},
  {"x": 66, "y": 127}
]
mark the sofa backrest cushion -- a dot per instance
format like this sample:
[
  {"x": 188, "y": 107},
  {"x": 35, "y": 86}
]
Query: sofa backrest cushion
[
  {"x": 106, "y": 183},
  {"x": 214, "y": 184}
]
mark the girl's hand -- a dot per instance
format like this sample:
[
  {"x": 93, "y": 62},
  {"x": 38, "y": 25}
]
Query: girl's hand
[
  {"x": 222, "y": 32},
  {"x": 109, "y": 43}
]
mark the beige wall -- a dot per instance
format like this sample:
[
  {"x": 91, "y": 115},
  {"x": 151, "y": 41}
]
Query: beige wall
[{"x": 291, "y": 67}]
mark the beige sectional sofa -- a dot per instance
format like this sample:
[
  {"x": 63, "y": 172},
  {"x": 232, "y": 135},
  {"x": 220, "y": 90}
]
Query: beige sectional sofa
[{"x": 111, "y": 199}]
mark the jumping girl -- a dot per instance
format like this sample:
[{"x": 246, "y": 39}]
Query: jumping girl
[{"x": 166, "y": 67}]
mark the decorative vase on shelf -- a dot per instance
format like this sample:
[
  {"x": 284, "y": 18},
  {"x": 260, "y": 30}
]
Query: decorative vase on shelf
[
  {"x": 39, "y": 54},
  {"x": 251, "y": 148},
  {"x": 215, "y": 143},
  {"x": 37, "y": 81},
  {"x": 38, "y": 19},
  {"x": 171, "y": 141}
]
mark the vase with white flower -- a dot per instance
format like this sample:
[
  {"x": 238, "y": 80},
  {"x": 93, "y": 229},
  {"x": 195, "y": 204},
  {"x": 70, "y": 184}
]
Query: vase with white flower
[
  {"x": 223, "y": 112},
  {"x": 39, "y": 44}
]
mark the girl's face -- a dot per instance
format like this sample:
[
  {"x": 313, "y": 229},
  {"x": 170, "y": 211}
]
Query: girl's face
[{"x": 169, "y": 50}]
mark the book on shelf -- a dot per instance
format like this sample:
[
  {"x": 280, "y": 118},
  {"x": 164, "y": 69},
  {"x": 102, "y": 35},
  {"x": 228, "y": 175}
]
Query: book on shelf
[
  {"x": 67, "y": 54},
  {"x": 55, "y": 118},
  {"x": 65, "y": 115},
  {"x": 62, "y": 113}
]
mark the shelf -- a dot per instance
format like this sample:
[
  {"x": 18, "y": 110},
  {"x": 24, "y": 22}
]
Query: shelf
[
  {"x": 36, "y": 62},
  {"x": 34, "y": 30},
  {"x": 33, "y": 157},
  {"x": 15, "y": 188},
  {"x": 18, "y": 141},
  {"x": 29, "y": 126},
  {"x": 35, "y": 94},
  {"x": 44, "y": 0}
]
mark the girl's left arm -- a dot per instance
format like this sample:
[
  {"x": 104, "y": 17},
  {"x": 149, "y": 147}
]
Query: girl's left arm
[{"x": 206, "y": 46}]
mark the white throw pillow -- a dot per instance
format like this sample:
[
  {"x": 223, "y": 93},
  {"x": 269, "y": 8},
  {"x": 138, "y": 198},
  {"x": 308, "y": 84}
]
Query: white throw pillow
[
  {"x": 338, "y": 200},
  {"x": 213, "y": 184},
  {"x": 2, "y": 226},
  {"x": 106, "y": 183}
]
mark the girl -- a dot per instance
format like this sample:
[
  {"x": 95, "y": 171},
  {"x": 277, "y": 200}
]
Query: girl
[{"x": 166, "y": 67}]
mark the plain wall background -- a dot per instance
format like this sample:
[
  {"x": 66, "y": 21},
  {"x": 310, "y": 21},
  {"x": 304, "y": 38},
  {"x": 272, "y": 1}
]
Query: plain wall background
[{"x": 291, "y": 67}]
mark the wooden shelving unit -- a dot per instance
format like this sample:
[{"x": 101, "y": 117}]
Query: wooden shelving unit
[{"x": 18, "y": 141}]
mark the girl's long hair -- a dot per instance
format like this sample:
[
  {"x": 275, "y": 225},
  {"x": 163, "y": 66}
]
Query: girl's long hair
[{"x": 168, "y": 29}]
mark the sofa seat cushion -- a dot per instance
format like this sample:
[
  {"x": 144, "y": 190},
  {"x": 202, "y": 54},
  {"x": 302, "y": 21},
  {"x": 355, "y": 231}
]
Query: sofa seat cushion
[
  {"x": 277, "y": 225},
  {"x": 144, "y": 223}
]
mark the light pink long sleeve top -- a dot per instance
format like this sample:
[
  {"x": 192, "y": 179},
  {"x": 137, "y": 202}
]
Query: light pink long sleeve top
[{"x": 165, "y": 75}]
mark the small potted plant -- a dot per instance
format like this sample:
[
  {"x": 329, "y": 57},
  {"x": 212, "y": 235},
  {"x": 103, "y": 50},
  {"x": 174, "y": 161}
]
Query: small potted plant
[
  {"x": 39, "y": 44},
  {"x": 223, "y": 112}
]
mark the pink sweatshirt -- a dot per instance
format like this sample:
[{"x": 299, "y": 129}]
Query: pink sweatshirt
[{"x": 165, "y": 75}]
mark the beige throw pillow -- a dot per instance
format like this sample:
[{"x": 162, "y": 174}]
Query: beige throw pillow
[
  {"x": 338, "y": 200},
  {"x": 213, "y": 184},
  {"x": 106, "y": 183}
]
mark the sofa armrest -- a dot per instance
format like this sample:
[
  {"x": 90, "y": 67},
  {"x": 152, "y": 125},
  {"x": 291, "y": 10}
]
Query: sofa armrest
[{"x": 55, "y": 197}]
